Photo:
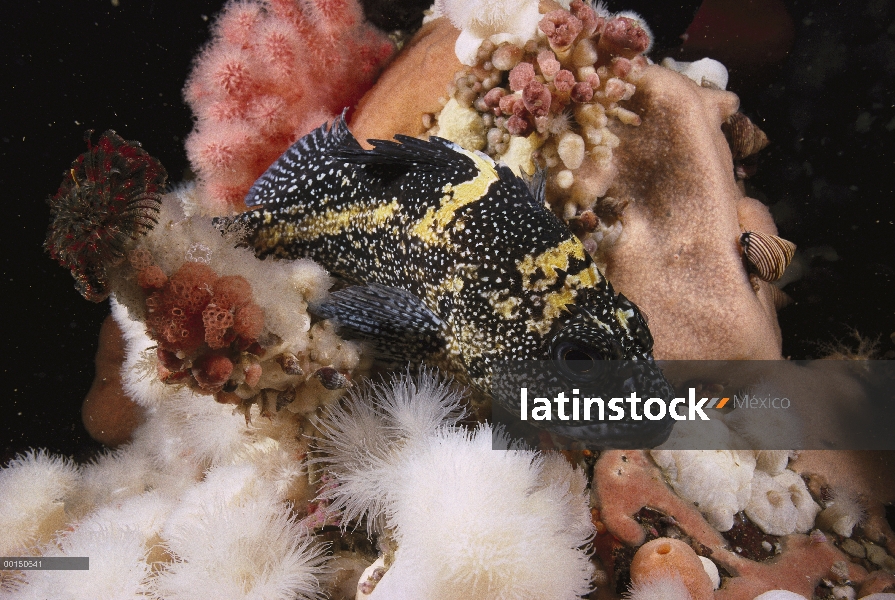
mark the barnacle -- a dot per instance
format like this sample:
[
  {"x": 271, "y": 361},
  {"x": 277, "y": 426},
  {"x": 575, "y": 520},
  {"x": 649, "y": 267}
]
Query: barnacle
[
  {"x": 547, "y": 101},
  {"x": 109, "y": 197}
]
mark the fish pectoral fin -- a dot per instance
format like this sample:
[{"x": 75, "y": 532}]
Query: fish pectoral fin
[{"x": 399, "y": 324}]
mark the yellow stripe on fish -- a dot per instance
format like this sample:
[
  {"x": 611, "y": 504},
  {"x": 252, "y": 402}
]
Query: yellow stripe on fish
[{"x": 431, "y": 228}]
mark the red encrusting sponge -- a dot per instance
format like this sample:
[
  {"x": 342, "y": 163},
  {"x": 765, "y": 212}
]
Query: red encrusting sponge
[{"x": 201, "y": 321}]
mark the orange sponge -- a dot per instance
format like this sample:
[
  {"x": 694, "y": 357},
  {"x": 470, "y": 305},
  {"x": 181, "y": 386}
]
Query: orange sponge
[{"x": 668, "y": 555}]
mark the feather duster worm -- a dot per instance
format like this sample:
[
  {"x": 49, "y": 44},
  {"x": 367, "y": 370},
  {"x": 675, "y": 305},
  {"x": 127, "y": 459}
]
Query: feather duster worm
[{"x": 110, "y": 196}]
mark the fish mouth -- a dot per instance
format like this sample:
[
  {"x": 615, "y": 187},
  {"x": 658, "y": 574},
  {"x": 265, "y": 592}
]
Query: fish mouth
[
  {"x": 613, "y": 380},
  {"x": 626, "y": 434},
  {"x": 618, "y": 435}
]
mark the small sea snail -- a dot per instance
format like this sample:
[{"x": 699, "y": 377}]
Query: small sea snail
[{"x": 767, "y": 255}]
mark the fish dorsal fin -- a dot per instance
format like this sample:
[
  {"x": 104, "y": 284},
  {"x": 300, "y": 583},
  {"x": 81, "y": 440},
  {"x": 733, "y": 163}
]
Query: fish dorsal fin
[
  {"x": 390, "y": 159},
  {"x": 531, "y": 189},
  {"x": 315, "y": 149},
  {"x": 537, "y": 185}
]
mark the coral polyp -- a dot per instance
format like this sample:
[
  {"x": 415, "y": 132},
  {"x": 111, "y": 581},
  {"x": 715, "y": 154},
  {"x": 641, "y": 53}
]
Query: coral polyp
[
  {"x": 110, "y": 196},
  {"x": 254, "y": 90}
]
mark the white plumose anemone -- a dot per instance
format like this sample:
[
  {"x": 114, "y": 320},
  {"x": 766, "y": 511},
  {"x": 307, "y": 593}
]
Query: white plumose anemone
[
  {"x": 32, "y": 489},
  {"x": 514, "y": 21},
  {"x": 469, "y": 519}
]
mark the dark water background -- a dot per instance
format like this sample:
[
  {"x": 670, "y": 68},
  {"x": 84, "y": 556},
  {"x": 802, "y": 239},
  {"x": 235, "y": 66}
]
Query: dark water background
[{"x": 828, "y": 107}]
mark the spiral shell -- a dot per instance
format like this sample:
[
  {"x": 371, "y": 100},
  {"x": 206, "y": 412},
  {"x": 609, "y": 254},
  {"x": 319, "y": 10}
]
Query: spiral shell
[
  {"x": 744, "y": 137},
  {"x": 768, "y": 255},
  {"x": 780, "y": 298}
]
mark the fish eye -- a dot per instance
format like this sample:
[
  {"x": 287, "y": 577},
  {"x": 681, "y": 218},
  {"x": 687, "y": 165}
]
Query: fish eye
[
  {"x": 577, "y": 362},
  {"x": 577, "y": 354}
]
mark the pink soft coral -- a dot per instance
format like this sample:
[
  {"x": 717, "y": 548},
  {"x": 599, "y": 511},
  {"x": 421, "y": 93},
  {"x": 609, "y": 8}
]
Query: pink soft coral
[{"x": 273, "y": 71}]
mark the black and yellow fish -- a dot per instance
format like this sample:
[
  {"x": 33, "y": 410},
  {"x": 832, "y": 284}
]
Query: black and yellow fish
[{"x": 456, "y": 261}]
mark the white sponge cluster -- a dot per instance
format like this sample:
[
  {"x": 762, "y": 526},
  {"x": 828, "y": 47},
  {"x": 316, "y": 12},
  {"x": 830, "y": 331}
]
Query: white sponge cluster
[
  {"x": 514, "y": 21},
  {"x": 470, "y": 517},
  {"x": 725, "y": 482}
]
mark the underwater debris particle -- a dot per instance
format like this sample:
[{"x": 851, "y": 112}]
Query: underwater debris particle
[{"x": 110, "y": 196}]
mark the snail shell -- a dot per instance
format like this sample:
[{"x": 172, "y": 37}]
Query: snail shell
[
  {"x": 780, "y": 298},
  {"x": 768, "y": 255},
  {"x": 744, "y": 137}
]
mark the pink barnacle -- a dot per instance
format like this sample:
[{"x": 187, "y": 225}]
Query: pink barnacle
[
  {"x": 548, "y": 63},
  {"x": 521, "y": 75},
  {"x": 512, "y": 105},
  {"x": 561, "y": 28},
  {"x": 518, "y": 126},
  {"x": 152, "y": 278},
  {"x": 537, "y": 98},
  {"x": 248, "y": 321},
  {"x": 590, "y": 22},
  {"x": 615, "y": 89},
  {"x": 564, "y": 81},
  {"x": 231, "y": 291},
  {"x": 624, "y": 36},
  {"x": 582, "y": 92},
  {"x": 621, "y": 67},
  {"x": 216, "y": 320},
  {"x": 493, "y": 97},
  {"x": 212, "y": 371}
]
